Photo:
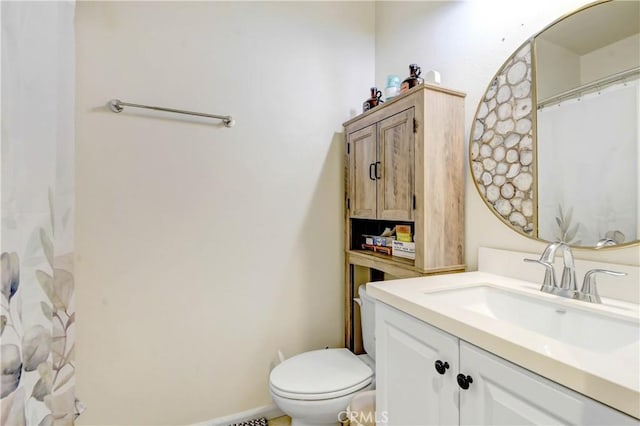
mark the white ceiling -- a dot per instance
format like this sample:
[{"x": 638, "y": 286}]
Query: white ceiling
[{"x": 596, "y": 27}]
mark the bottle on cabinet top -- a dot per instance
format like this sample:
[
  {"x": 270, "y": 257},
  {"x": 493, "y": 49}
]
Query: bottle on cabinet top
[
  {"x": 413, "y": 80},
  {"x": 373, "y": 101}
]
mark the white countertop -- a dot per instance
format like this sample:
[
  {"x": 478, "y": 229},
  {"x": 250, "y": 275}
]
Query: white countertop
[{"x": 612, "y": 377}]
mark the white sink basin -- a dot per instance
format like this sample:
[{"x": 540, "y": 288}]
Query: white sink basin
[{"x": 584, "y": 328}]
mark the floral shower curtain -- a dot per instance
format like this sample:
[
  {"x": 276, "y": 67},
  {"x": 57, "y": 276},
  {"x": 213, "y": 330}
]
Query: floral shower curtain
[{"x": 37, "y": 318}]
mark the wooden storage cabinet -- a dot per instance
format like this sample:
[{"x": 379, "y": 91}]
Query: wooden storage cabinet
[
  {"x": 410, "y": 391},
  {"x": 404, "y": 163},
  {"x": 381, "y": 169}
]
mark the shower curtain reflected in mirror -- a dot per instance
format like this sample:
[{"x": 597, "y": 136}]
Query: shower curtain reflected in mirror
[
  {"x": 37, "y": 318},
  {"x": 590, "y": 184}
]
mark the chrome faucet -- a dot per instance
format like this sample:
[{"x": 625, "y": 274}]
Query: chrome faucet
[
  {"x": 568, "y": 286},
  {"x": 568, "y": 282}
]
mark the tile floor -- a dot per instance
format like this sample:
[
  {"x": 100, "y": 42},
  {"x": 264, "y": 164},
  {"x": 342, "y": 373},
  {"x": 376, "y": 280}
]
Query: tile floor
[
  {"x": 286, "y": 421},
  {"x": 280, "y": 421}
]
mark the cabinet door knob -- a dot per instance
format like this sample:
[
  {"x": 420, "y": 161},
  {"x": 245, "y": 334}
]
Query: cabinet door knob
[
  {"x": 377, "y": 174},
  {"x": 441, "y": 367},
  {"x": 372, "y": 168},
  {"x": 464, "y": 381}
]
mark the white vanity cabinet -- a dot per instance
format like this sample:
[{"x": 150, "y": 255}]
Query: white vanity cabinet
[
  {"x": 410, "y": 390},
  {"x": 503, "y": 393}
]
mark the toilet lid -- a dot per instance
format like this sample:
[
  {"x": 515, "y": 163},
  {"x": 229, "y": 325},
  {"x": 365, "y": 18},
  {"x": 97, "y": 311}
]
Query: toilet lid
[{"x": 321, "y": 374}]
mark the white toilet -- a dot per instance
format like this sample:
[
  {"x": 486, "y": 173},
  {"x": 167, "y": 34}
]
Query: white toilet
[{"x": 314, "y": 388}]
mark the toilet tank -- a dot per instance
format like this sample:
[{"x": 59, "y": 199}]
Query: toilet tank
[{"x": 367, "y": 320}]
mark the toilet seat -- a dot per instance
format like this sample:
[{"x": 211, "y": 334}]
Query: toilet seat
[
  {"x": 320, "y": 396},
  {"x": 319, "y": 375}
]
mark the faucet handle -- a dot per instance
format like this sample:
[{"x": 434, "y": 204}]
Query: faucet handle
[
  {"x": 541, "y": 262},
  {"x": 549, "y": 283},
  {"x": 589, "y": 291}
]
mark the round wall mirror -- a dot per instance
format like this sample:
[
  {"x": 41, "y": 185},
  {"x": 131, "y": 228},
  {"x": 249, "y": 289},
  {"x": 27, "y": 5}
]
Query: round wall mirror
[{"x": 555, "y": 143}]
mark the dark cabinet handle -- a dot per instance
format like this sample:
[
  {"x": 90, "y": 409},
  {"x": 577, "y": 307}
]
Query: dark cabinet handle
[
  {"x": 464, "y": 381},
  {"x": 441, "y": 367},
  {"x": 377, "y": 175},
  {"x": 372, "y": 168}
]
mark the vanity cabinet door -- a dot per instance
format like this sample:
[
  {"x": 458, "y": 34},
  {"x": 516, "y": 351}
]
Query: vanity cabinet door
[
  {"x": 503, "y": 393},
  {"x": 409, "y": 389},
  {"x": 362, "y": 157}
]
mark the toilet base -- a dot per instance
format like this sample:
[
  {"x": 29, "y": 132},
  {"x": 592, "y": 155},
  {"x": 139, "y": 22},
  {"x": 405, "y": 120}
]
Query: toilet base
[
  {"x": 298, "y": 422},
  {"x": 316, "y": 413}
]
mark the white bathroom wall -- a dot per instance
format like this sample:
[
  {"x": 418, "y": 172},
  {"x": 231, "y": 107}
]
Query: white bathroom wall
[
  {"x": 201, "y": 250},
  {"x": 467, "y": 42}
]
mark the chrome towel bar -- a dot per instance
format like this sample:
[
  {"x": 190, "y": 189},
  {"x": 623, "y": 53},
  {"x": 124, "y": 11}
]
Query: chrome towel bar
[{"x": 116, "y": 105}]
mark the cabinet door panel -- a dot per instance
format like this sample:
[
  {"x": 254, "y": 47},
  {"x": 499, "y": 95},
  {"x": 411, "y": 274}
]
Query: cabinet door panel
[
  {"x": 505, "y": 394},
  {"x": 409, "y": 390},
  {"x": 362, "y": 189},
  {"x": 396, "y": 171}
]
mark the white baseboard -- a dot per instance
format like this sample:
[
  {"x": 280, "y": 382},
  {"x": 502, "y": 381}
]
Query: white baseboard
[{"x": 268, "y": 411}]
